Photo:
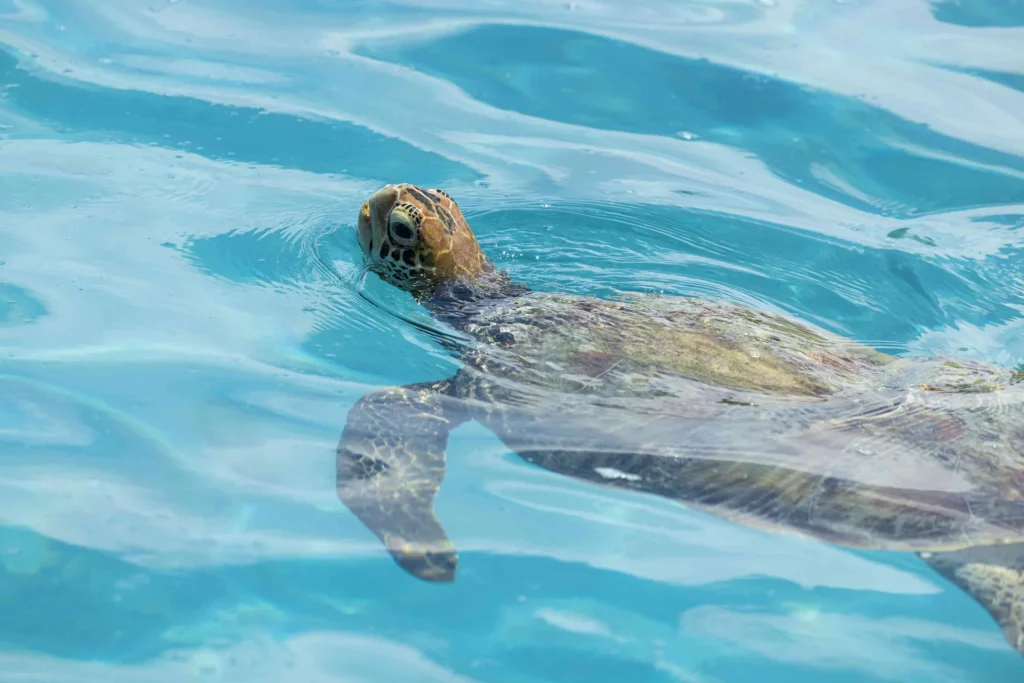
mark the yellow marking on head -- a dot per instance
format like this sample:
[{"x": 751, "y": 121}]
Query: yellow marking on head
[{"x": 417, "y": 239}]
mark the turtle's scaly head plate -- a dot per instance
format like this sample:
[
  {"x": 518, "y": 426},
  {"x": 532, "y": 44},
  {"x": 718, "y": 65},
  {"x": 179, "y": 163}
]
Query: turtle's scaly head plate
[{"x": 417, "y": 239}]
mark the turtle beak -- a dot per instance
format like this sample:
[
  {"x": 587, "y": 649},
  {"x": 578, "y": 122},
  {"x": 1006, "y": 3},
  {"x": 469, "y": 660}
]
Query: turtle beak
[
  {"x": 381, "y": 203},
  {"x": 364, "y": 231},
  {"x": 373, "y": 216}
]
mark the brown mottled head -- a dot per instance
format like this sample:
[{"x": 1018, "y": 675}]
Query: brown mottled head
[{"x": 417, "y": 239}]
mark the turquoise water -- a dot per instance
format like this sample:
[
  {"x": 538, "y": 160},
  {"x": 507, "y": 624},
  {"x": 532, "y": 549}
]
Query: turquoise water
[{"x": 184, "y": 321}]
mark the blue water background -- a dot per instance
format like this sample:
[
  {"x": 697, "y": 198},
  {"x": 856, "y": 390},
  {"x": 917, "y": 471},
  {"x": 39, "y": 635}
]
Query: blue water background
[{"x": 184, "y": 322}]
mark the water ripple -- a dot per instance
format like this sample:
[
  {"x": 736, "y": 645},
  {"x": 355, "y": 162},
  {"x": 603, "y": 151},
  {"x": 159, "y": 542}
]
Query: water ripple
[{"x": 185, "y": 319}]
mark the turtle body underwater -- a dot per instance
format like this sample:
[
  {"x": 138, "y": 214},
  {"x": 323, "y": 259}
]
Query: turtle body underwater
[{"x": 737, "y": 412}]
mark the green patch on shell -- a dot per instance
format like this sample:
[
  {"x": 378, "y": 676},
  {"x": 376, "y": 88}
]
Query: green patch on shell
[
  {"x": 967, "y": 378},
  {"x": 726, "y": 345}
]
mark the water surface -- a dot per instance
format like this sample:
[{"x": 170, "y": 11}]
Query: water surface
[{"x": 184, "y": 322}]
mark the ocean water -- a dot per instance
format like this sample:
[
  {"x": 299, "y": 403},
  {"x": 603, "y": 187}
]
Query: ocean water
[{"x": 185, "y": 321}]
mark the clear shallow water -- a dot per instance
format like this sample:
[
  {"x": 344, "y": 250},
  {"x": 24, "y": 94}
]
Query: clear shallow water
[{"x": 185, "y": 325}]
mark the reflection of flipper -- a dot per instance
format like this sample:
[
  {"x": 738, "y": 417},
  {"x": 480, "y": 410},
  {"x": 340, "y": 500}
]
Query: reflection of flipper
[
  {"x": 390, "y": 463},
  {"x": 994, "y": 576}
]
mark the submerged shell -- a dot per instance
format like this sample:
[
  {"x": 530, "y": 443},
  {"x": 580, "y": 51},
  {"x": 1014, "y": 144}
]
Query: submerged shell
[{"x": 754, "y": 417}]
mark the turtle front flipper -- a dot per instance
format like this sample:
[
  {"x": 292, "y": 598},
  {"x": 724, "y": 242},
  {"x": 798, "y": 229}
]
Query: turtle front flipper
[
  {"x": 390, "y": 463},
  {"x": 992, "y": 575}
]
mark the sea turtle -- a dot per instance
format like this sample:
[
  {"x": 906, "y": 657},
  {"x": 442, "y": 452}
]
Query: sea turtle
[{"x": 738, "y": 412}]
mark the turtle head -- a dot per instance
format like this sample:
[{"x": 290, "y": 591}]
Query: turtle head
[{"x": 417, "y": 239}]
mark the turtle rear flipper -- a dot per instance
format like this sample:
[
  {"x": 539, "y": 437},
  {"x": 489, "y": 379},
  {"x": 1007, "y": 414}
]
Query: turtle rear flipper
[
  {"x": 390, "y": 463},
  {"x": 992, "y": 575}
]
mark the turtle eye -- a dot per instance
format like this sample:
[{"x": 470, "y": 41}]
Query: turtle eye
[{"x": 402, "y": 232}]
